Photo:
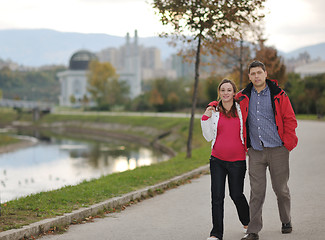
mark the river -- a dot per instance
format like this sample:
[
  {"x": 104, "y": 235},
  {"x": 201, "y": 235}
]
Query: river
[{"x": 59, "y": 161}]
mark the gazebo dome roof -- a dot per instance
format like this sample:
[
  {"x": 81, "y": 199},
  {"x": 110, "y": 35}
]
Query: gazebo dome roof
[{"x": 80, "y": 60}]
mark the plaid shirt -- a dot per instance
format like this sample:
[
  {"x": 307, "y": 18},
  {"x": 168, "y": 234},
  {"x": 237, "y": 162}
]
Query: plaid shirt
[{"x": 262, "y": 128}]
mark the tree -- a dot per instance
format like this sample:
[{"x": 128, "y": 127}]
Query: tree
[
  {"x": 238, "y": 54},
  {"x": 104, "y": 87},
  {"x": 85, "y": 101},
  {"x": 295, "y": 88},
  {"x": 141, "y": 103},
  {"x": 73, "y": 100},
  {"x": 118, "y": 92},
  {"x": 307, "y": 95},
  {"x": 156, "y": 99},
  {"x": 207, "y": 24},
  {"x": 34, "y": 85},
  {"x": 273, "y": 62},
  {"x": 237, "y": 58},
  {"x": 321, "y": 106},
  {"x": 315, "y": 88},
  {"x": 211, "y": 87},
  {"x": 168, "y": 95},
  {"x": 98, "y": 80}
]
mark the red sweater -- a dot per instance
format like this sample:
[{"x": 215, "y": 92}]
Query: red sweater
[{"x": 228, "y": 145}]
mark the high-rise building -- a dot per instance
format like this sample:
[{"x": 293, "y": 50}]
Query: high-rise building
[
  {"x": 129, "y": 68},
  {"x": 133, "y": 60},
  {"x": 127, "y": 62}
]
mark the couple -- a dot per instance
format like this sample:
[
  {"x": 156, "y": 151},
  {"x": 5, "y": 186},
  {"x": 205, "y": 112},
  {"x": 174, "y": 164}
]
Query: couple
[{"x": 259, "y": 118}]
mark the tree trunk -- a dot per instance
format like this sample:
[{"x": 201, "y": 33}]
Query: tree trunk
[
  {"x": 241, "y": 65},
  {"x": 194, "y": 99}
]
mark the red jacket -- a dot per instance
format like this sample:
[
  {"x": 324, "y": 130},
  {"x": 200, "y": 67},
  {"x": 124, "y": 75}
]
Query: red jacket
[{"x": 285, "y": 118}]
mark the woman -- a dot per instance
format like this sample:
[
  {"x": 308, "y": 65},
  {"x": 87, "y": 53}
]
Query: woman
[{"x": 222, "y": 123}]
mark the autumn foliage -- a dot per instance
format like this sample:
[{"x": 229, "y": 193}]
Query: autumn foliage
[{"x": 205, "y": 26}]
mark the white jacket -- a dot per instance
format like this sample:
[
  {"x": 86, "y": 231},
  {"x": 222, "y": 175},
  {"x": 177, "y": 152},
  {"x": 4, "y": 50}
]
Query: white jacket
[{"x": 210, "y": 126}]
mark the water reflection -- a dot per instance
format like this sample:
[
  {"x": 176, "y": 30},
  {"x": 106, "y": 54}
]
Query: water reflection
[{"x": 55, "y": 162}]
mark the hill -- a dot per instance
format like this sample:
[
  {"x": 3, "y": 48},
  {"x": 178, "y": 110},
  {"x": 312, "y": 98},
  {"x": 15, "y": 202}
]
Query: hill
[
  {"x": 40, "y": 47},
  {"x": 315, "y": 51}
]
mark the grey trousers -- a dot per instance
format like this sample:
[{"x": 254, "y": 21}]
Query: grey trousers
[{"x": 277, "y": 160}]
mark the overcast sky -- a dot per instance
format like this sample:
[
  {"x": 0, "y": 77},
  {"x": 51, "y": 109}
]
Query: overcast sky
[{"x": 290, "y": 24}]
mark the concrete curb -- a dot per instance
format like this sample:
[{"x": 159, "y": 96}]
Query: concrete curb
[{"x": 37, "y": 228}]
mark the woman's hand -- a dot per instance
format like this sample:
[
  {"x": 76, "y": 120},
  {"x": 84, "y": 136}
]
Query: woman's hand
[{"x": 208, "y": 111}]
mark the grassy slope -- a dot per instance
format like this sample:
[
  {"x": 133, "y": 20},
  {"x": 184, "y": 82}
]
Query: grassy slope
[{"x": 6, "y": 140}]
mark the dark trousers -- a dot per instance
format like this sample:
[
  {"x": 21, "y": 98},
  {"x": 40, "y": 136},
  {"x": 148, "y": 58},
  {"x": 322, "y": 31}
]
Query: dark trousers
[{"x": 236, "y": 174}]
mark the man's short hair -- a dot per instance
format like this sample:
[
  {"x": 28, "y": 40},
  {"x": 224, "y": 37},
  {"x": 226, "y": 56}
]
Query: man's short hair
[{"x": 256, "y": 63}]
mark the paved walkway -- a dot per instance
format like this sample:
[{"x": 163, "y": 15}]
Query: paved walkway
[{"x": 184, "y": 213}]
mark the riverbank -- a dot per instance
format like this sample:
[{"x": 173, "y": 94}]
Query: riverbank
[
  {"x": 185, "y": 212},
  {"x": 168, "y": 132},
  {"x": 23, "y": 143}
]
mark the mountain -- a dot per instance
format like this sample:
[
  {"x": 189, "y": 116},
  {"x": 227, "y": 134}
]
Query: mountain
[
  {"x": 315, "y": 51},
  {"x": 38, "y": 47}
]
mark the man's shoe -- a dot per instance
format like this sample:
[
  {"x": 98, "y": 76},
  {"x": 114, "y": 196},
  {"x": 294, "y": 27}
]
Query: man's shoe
[
  {"x": 251, "y": 236},
  {"x": 286, "y": 228}
]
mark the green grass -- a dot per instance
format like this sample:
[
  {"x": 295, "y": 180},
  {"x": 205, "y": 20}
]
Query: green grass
[
  {"x": 6, "y": 140},
  {"x": 159, "y": 122},
  {"x": 35, "y": 207},
  {"x": 140, "y": 126},
  {"x": 7, "y": 116},
  {"x": 309, "y": 117},
  {"x": 26, "y": 210}
]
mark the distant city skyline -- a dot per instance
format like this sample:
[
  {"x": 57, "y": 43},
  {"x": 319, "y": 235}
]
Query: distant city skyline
[{"x": 289, "y": 24}]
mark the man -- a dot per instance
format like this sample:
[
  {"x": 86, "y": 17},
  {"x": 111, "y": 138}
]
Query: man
[{"x": 270, "y": 136}]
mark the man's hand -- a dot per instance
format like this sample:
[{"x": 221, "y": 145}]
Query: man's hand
[{"x": 208, "y": 111}]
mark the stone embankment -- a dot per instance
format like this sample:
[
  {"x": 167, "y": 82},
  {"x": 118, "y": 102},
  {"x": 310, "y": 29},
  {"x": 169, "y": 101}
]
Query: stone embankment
[{"x": 147, "y": 136}]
